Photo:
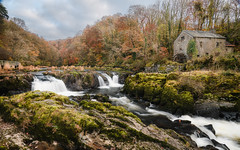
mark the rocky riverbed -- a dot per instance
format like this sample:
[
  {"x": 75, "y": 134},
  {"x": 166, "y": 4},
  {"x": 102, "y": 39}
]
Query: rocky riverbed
[
  {"x": 205, "y": 93},
  {"x": 54, "y": 120}
]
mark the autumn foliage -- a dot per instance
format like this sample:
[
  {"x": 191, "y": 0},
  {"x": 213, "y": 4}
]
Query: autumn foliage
[{"x": 144, "y": 35}]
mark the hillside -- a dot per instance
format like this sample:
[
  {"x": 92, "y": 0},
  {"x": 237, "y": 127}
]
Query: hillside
[{"x": 26, "y": 47}]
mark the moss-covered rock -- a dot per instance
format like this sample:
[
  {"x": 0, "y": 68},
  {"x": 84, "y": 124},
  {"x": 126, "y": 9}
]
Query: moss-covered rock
[
  {"x": 178, "y": 92},
  {"x": 11, "y": 84},
  {"x": 77, "y": 80},
  {"x": 88, "y": 125}
]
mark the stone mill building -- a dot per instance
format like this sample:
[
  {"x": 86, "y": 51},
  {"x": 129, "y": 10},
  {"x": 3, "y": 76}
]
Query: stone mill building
[{"x": 207, "y": 43}]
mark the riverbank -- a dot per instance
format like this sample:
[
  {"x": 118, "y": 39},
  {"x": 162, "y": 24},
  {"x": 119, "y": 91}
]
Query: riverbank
[
  {"x": 12, "y": 83},
  {"x": 85, "y": 125},
  {"x": 203, "y": 93}
]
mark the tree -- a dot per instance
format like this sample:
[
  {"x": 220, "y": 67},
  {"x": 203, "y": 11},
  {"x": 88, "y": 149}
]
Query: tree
[
  {"x": 19, "y": 22},
  {"x": 3, "y": 12},
  {"x": 200, "y": 13},
  {"x": 3, "y": 15}
]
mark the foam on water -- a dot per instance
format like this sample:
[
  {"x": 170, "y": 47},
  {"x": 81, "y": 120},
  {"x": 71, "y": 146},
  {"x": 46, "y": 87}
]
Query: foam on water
[
  {"x": 102, "y": 84},
  {"x": 112, "y": 82},
  {"x": 49, "y": 83},
  {"x": 227, "y": 132}
]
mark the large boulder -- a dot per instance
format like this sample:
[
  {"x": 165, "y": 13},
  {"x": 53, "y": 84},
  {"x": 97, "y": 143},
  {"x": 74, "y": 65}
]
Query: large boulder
[
  {"x": 11, "y": 84},
  {"x": 52, "y": 118}
]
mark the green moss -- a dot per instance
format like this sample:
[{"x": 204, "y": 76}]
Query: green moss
[
  {"x": 41, "y": 113},
  {"x": 177, "y": 92},
  {"x": 116, "y": 134},
  {"x": 118, "y": 116},
  {"x": 3, "y": 148},
  {"x": 120, "y": 124},
  {"x": 124, "y": 112},
  {"x": 172, "y": 76},
  {"x": 93, "y": 105}
]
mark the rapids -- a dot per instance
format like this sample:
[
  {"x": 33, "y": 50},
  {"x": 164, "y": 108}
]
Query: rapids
[{"x": 227, "y": 132}]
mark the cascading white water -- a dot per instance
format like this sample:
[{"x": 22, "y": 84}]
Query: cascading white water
[
  {"x": 53, "y": 85},
  {"x": 112, "y": 82},
  {"x": 227, "y": 132},
  {"x": 102, "y": 84},
  {"x": 115, "y": 78}
]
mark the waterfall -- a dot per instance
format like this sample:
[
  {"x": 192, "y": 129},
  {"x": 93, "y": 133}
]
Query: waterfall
[
  {"x": 49, "y": 83},
  {"x": 112, "y": 82},
  {"x": 115, "y": 78},
  {"x": 102, "y": 84}
]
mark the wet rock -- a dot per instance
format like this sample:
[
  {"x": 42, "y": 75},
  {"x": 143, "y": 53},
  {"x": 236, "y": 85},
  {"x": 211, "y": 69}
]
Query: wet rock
[
  {"x": 209, "y": 147},
  {"x": 217, "y": 144},
  {"x": 77, "y": 81},
  {"x": 15, "y": 83},
  {"x": 207, "y": 109},
  {"x": 210, "y": 127},
  {"x": 102, "y": 98},
  {"x": 230, "y": 116}
]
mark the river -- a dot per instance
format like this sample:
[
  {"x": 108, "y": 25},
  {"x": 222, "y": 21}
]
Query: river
[{"x": 226, "y": 132}]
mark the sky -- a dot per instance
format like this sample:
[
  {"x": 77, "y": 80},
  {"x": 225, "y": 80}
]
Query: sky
[{"x": 60, "y": 19}]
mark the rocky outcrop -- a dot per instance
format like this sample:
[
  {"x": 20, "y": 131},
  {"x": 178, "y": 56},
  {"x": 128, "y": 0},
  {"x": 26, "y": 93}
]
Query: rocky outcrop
[
  {"x": 54, "y": 120},
  {"x": 11, "y": 84},
  {"x": 76, "y": 80},
  {"x": 201, "y": 92},
  {"x": 79, "y": 80}
]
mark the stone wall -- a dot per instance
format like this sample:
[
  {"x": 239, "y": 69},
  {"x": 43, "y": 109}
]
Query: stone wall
[
  {"x": 181, "y": 43},
  {"x": 205, "y": 46},
  {"x": 9, "y": 65},
  {"x": 210, "y": 46}
]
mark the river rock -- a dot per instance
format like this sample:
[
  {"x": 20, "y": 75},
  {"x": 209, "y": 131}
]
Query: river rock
[
  {"x": 217, "y": 144},
  {"x": 75, "y": 80},
  {"x": 210, "y": 127},
  {"x": 12, "y": 84},
  {"x": 207, "y": 108}
]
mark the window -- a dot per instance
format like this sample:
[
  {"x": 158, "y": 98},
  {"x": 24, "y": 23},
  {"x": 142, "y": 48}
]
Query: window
[
  {"x": 198, "y": 55},
  {"x": 207, "y": 54},
  {"x": 182, "y": 38},
  {"x": 180, "y": 49},
  {"x": 217, "y": 44},
  {"x": 201, "y": 44}
]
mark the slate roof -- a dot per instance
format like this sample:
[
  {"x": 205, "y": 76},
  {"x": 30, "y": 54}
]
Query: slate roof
[{"x": 203, "y": 34}]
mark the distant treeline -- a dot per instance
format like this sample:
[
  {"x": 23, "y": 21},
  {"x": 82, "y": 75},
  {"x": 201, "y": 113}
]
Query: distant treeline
[{"x": 143, "y": 35}]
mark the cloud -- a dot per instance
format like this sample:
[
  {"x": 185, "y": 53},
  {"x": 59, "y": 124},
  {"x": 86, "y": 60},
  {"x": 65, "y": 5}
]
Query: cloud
[{"x": 59, "y": 19}]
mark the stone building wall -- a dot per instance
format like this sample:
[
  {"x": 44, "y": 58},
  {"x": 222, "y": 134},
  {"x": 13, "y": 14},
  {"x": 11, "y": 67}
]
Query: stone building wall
[
  {"x": 181, "y": 43},
  {"x": 207, "y": 46},
  {"x": 9, "y": 65}
]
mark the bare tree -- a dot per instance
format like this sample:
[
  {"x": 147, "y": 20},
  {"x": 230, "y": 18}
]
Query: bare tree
[{"x": 20, "y": 23}]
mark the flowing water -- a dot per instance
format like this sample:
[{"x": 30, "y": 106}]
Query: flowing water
[
  {"x": 49, "y": 83},
  {"x": 112, "y": 81},
  {"x": 227, "y": 132},
  {"x": 102, "y": 84}
]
